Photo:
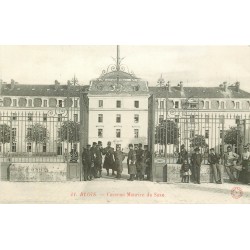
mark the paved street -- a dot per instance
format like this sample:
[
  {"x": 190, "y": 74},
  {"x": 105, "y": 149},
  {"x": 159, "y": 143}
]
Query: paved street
[{"x": 109, "y": 190}]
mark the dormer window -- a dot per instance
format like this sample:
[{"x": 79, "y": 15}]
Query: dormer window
[
  {"x": 176, "y": 104},
  {"x": 14, "y": 102},
  {"x": 237, "y": 105},
  {"x": 60, "y": 103},
  {"x": 30, "y": 102}
]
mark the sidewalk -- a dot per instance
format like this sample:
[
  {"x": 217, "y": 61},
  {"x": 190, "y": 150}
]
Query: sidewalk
[{"x": 110, "y": 190}]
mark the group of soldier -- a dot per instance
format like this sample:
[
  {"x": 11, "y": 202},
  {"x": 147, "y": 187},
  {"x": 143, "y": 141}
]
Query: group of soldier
[
  {"x": 138, "y": 161},
  {"x": 236, "y": 166}
]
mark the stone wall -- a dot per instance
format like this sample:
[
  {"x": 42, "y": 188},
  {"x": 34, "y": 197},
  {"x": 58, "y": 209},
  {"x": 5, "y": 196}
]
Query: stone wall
[{"x": 38, "y": 172}]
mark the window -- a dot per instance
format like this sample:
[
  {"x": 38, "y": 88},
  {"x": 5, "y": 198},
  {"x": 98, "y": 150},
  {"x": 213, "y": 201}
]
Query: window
[
  {"x": 45, "y": 103},
  {"x": 44, "y": 117},
  {"x": 192, "y": 119},
  {"x": 44, "y": 148},
  {"x": 161, "y": 118},
  {"x": 136, "y": 133},
  {"x": 30, "y": 103},
  {"x": 193, "y": 106},
  {"x": 237, "y": 105},
  {"x": 118, "y": 118},
  {"x": 13, "y": 149},
  {"x": 60, "y": 103},
  {"x": 28, "y": 132},
  {"x": 100, "y": 104},
  {"x": 100, "y": 133},
  {"x": 176, "y": 119},
  {"x": 14, "y": 116},
  {"x": 136, "y": 118},
  {"x": 75, "y": 117},
  {"x": 191, "y": 134},
  {"x": 206, "y": 133},
  {"x": 237, "y": 120},
  {"x": 75, "y": 103},
  {"x": 161, "y": 104},
  {"x": 136, "y": 104},
  {"x": 118, "y": 104},
  {"x": 28, "y": 147},
  {"x": 14, "y": 132},
  {"x": 118, "y": 133},
  {"x": 206, "y": 118},
  {"x": 30, "y": 117},
  {"x": 59, "y": 133},
  {"x": 59, "y": 149},
  {"x": 100, "y": 118},
  {"x": 207, "y": 105},
  {"x": 14, "y": 102},
  {"x": 222, "y": 105},
  {"x": 176, "y": 104},
  {"x": 60, "y": 117}
]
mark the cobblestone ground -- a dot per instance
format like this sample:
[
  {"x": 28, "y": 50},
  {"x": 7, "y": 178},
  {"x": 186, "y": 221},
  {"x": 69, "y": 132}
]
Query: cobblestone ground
[{"x": 110, "y": 190}]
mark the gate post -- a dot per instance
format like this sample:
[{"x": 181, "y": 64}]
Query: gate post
[{"x": 151, "y": 134}]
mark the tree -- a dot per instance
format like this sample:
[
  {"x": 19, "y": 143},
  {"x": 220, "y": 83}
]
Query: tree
[
  {"x": 172, "y": 133},
  {"x": 37, "y": 134},
  {"x": 70, "y": 132},
  {"x": 233, "y": 136},
  {"x": 198, "y": 141},
  {"x": 4, "y": 133}
]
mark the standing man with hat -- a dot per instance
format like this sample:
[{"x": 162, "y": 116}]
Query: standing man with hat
[
  {"x": 230, "y": 159},
  {"x": 214, "y": 161},
  {"x": 109, "y": 158},
  {"x": 196, "y": 161},
  {"x": 146, "y": 162},
  {"x": 131, "y": 163},
  {"x": 87, "y": 161},
  {"x": 119, "y": 157},
  {"x": 98, "y": 160},
  {"x": 244, "y": 174}
]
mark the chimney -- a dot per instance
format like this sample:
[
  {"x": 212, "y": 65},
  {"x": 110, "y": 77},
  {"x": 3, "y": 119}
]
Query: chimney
[
  {"x": 12, "y": 84},
  {"x": 225, "y": 86},
  {"x": 181, "y": 86},
  {"x": 168, "y": 86},
  {"x": 57, "y": 84},
  {"x": 237, "y": 86}
]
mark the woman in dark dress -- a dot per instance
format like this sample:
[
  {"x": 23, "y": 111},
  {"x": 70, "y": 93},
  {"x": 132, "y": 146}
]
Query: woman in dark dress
[{"x": 109, "y": 162}]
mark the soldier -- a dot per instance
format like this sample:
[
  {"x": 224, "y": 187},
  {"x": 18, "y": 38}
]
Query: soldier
[
  {"x": 139, "y": 162},
  {"x": 119, "y": 157},
  {"x": 98, "y": 161},
  {"x": 146, "y": 162},
  {"x": 196, "y": 161},
  {"x": 87, "y": 161},
  {"x": 109, "y": 158},
  {"x": 93, "y": 153},
  {"x": 230, "y": 160},
  {"x": 131, "y": 163}
]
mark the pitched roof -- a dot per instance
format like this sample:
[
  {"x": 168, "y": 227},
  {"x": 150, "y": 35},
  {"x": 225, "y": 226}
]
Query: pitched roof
[
  {"x": 41, "y": 90},
  {"x": 199, "y": 92}
]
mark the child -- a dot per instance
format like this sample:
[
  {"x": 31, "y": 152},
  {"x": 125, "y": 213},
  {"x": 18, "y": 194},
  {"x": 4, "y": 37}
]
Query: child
[{"x": 185, "y": 171}]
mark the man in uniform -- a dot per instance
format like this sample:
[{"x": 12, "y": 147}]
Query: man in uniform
[
  {"x": 230, "y": 159},
  {"x": 131, "y": 163},
  {"x": 93, "y": 153},
  {"x": 109, "y": 158},
  {"x": 139, "y": 162},
  {"x": 196, "y": 160},
  {"x": 146, "y": 162},
  {"x": 214, "y": 161},
  {"x": 87, "y": 161},
  {"x": 98, "y": 161},
  {"x": 119, "y": 157}
]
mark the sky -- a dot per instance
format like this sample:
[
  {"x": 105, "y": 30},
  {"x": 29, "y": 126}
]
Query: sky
[{"x": 194, "y": 65}]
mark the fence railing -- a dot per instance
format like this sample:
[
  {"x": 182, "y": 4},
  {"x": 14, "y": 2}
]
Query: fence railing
[{"x": 39, "y": 136}]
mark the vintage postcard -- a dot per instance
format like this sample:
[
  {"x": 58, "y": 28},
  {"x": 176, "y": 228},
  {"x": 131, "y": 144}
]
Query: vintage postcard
[{"x": 124, "y": 124}]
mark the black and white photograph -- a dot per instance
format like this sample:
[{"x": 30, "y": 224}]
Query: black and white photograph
[{"x": 106, "y": 124}]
